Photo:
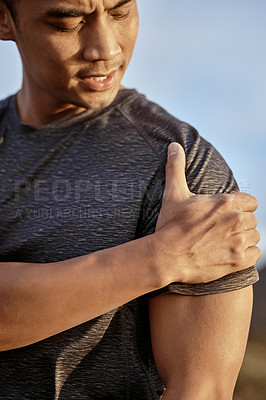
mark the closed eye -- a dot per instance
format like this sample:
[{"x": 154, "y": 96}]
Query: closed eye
[
  {"x": 121, "y": 10},
  {"x": 119, "y": 15},
  {"x": 67, "y": 27}
]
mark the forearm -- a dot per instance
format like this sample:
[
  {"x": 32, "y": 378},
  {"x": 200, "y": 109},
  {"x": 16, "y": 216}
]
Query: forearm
[
  {"x": 40, "y": 300},
  {"x": 199, "y": 343},
  {"x": 193, "y": 243}
]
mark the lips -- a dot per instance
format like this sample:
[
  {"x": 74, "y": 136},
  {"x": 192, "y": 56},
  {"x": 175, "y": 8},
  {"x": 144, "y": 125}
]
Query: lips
[{"x": 99, "y": 82}]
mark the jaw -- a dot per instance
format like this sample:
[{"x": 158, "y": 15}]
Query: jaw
[{"x": 37, "y": 105}]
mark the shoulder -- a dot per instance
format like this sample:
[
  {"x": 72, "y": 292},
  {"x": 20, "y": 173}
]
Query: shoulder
[
  {"x": 207, "y": 171},
  {"x": 155, "y": 123}
]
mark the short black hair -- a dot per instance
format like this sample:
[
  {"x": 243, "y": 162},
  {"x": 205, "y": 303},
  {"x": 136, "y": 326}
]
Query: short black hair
[{"x": 12, "y": 7}]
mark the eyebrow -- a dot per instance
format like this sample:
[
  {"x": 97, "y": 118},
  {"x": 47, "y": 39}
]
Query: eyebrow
[
  {"x": 121, "y": 3},
  {"x": 64, "y": 13},
  {"x": 75, "y": 13}
]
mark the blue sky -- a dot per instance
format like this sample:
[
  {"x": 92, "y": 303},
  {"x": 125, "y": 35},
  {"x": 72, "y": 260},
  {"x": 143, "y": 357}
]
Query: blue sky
[{"x": 205, "y": 62}]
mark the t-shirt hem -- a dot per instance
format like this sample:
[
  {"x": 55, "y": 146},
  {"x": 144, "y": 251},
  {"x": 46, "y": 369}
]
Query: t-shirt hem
[{"x": 234, "y": 281}]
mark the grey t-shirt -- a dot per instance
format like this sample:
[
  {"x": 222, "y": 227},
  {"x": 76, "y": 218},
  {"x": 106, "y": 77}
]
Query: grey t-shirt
[{"x": 78, "y": 186}]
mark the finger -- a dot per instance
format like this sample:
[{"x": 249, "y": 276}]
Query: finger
[
  {"x": 252, "y": 238},
  {"x": 176, "y": 187},
  {"x": 253, "y": 254},
  {"x": 243, "y": 240},
  {"x": 244, "y": 202},
  {"x": 251, "y": 221}
]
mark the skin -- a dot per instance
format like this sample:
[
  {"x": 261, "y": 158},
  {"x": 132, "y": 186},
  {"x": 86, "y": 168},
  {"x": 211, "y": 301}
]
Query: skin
[
  {"x": 63, "y": 50},
  {"x": 99, "y": 40},
  {"x": 199, "y": 343}
]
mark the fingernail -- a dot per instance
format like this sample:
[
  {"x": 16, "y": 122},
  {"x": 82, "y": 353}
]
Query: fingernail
[{"x": 172, "y": 149}]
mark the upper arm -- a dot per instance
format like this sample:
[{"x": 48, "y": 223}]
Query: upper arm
[
  {"x": 199, "y": 341},
  {"x": 198, "y": 337}
]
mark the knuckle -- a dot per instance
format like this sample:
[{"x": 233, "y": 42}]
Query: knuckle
[
  {"x": 172, "y": 164},
  {"x": 239, "y": 219},
  {"x": 169, "y": 166},
  {"x": 167, "y": 193},
  {"x": 238, "y": 248},
  {"x": 225, "y": 200},
  {"x": 241, "y": 259},
  {"x": 240, "y": 243}
]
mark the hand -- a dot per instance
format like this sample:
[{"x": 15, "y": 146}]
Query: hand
[{"x": 200, "y": 238}]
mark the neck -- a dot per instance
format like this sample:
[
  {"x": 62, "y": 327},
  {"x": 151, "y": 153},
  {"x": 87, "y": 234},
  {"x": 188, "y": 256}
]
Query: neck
[{"x": 37, "y": 111}]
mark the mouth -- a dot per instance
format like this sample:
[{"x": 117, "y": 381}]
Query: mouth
[{"x": 99, "y": 82}]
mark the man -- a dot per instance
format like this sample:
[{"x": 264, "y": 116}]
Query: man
[{"x": 82, "y": 178}]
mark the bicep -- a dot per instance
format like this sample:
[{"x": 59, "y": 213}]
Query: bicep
[{"x": 196, "y": 339}]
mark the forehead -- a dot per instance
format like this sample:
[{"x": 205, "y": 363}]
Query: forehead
[{"x": 86, "y": 5}]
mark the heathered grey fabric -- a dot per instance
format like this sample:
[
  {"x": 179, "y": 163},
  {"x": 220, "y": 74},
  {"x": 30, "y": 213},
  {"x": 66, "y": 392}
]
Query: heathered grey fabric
[{"x": 82, "y": 185}]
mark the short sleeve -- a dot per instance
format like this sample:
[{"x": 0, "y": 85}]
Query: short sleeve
[{"x": 207, "y": 173}]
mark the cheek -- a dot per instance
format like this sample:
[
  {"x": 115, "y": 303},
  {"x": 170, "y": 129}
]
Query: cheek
[
  {"x": 44, "y": 54},
  {"x": 56, "y": 49},
  {"x": 61, "y": 52},
  {"x": 59, "y": 63},
  {"x": 129, "y": 36}
]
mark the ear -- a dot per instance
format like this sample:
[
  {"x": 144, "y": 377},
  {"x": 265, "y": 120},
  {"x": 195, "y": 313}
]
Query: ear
[{"x": 7, "y": 26}]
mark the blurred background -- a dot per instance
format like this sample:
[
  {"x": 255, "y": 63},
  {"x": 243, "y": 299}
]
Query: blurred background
[{"x": 205, "y": 62}]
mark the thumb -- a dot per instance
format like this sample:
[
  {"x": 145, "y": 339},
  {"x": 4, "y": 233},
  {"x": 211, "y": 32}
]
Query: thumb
[{"x": 176, "y": 188}]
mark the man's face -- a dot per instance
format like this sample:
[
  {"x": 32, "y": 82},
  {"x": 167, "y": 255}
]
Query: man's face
[{"x": 75, "y": 52}]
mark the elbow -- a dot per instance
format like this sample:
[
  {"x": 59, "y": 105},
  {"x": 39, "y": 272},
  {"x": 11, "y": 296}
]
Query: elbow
[
  {"x": 216, "y": 391},
  {"x": 222, "y": 380},
  {"x": 206, "y": 389},
  {"x": 215, "y": 383}
]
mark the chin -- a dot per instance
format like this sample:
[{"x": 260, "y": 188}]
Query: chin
[{"x": 95, "y": 101}]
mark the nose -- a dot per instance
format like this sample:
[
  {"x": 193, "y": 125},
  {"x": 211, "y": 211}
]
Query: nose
[{"x": 101, "y": 42}]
